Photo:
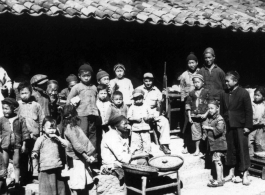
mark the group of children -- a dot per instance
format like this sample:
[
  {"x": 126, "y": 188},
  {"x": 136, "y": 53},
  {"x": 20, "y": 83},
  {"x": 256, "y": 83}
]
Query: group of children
[
  {"x": 62, "y": 142},
  {"x": 56, "y": 144},
  {"x": 226, "y": 116}
]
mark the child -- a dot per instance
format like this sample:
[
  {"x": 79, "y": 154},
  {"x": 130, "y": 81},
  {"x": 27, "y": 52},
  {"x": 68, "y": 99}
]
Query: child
[
  {"x": 79, "y": 151},
  {"x": 103, "y": 105},
  {"x": 39, "y": 85},
  {"x": 117, "y": 106},
  {"x": 139, "y": 117},
  {"x": 186, "y": 83},
  {"x": 258, "y": 107},
  {"x": 71, "y": 80},
  {"x": 122, "y": 84},
  {"x": 236, "y": 109},
  {"x": 196, "y": 107},
  {"x": 31, "y": 111},
  {"x": 47, "y": 151},
  {"x": 13, "y": 136},
  {"x": 103, "y": 78},
  {"x": 87, "y": 109},
  {"x": 152, "y": 99},
  {"x": 216, "y": 131}
]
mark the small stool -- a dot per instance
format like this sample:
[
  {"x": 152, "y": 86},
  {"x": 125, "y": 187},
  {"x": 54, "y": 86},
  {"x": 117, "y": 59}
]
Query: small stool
[
  {"x": 144, "y": 188},
  {"x": 257, "y": 167}
]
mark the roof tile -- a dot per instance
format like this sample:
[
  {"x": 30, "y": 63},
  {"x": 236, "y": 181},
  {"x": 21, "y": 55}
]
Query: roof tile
[{"x": 246, "y": 15}]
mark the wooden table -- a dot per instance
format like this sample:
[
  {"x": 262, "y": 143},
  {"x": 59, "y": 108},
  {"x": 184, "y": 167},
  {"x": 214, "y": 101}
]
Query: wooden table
[{"x": 145, "y": 189}]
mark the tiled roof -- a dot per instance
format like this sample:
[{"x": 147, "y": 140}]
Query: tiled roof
[{"x": 244, "y": 15}]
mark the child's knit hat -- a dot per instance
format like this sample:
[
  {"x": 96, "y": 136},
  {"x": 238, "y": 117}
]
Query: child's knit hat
[
  {"x": 101, "y": 74},
  {"x": 10, "y": 101},
  {"x": 199, "y": 76},
  {"x": 85, "y": 67},
  {"x": 71, "y": 78},
  {"x": 137, "y": 92},
  {"x": 119, "y": 66},
  {"x": 191, "y": 56}
]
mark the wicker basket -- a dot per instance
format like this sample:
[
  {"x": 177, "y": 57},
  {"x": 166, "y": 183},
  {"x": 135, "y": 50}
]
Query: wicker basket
[
  {"x": 166, "y": 163},
  {"x": 139, "y": 169}
]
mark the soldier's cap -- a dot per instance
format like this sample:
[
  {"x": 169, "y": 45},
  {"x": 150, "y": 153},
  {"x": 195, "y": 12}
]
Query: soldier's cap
[
  {"x": 39, "y": 79},
  {"x": 148, "y": 75}
]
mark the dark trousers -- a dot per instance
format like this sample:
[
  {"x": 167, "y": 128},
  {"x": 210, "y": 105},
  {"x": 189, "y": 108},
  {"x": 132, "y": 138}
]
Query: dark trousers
[
  {"x": 237, "y": 149},
  {"x": 90, "y": 124},
  {"x": 51, "y": 183}
]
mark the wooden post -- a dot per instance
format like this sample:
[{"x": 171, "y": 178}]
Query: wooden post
[
  {"x": 165, "y": 85},
  {"x": 144, "y": 180},
  {"x": 263, "y": 173}
]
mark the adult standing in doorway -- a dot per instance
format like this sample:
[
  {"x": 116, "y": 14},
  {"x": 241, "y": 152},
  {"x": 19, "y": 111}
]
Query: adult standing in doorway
[{"x": 213, "y": 75}]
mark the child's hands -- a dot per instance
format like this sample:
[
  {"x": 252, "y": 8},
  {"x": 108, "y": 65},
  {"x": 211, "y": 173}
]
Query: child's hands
[
  {"x": 89, "y": 159},
  {"x": 24, "y": 148},
  {"x": 203, "y": 116},
  {"x": 246, "y": 130},
  {"x": 34, "y": 155},
  {"x": 190, "y": 120},
  {"x": 207, "y": 127},
  {"x": 164, "y": 92},
  {"x": 32, "y": 136},
  {"x": 75, "y": 100},
  {"x": 52, "y": 135}
]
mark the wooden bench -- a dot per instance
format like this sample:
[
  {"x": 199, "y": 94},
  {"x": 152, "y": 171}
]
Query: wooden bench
[{"x": 257, "y": 167}]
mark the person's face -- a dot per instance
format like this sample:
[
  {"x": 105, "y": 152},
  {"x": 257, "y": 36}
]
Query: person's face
[
  {"x": 192, "y": 65},
  {"x": 71, "y": 84},
  {"x": 213, "y": 109},
  {"x": 119, "y": 73},
  {"x": 102, "y": 95},
  {"x": 85, "y": 77},
  {"x": 209, "y": 59},
  {"x": 197, "y": 83},
  {"x": 118, "y": 100},
  {"x": 258, "y": 97},
  {"x": 52, "y": 91},
  {"x": 104, "y": 80},
  {"x": 49, "y": 128},
  {"x": 25, "y": 94},
  {"x": 138, "y": 100},
  {"x": 148, "y": 83},
  {"x": 7, "y": 111},
  {"x": 26, "y": 69},
  {"x": 123, "y": 128},
  {"x": 230, "y": 82}
]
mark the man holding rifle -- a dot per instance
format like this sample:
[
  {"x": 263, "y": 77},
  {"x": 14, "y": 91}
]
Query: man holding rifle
[{"x": 153, "y": 98}]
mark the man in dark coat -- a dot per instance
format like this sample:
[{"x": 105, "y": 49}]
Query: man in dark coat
[
  {"x": 236, "y": 109},
  {"x": 213, "y": 75}
]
